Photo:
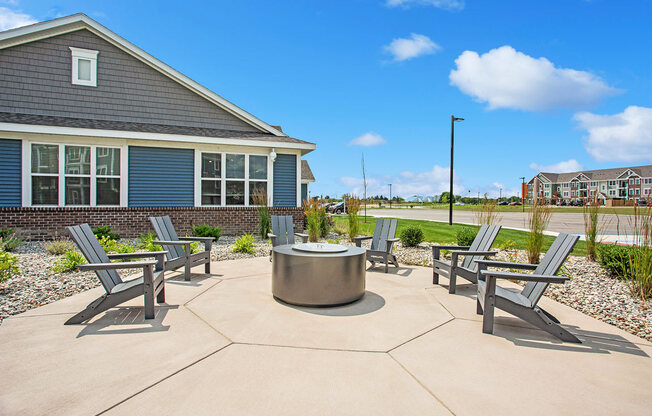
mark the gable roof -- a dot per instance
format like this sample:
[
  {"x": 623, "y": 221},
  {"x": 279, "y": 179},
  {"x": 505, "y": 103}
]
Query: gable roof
[
  {"x": 80, "y": 21},
  {"x": 306, "y": 172}
]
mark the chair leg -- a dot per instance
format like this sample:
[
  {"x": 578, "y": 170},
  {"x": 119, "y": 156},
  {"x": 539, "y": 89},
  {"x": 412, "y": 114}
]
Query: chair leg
[
  {"x": 386, "y": 264},
  {"x": 207, "y": 266},
  {"x": 160, "y": 298},
  {"x": 539, "y": 318},
  {"x": 452, "y": 281},
  {"x": 149, "y": 294},
  {"x": 186, "y": 276},
  {"x": 478, "y": 307},
  {"x": 489, "y": 306},
  {"x": 99, "y": 305},
  {"x": 435, "y": 276}
]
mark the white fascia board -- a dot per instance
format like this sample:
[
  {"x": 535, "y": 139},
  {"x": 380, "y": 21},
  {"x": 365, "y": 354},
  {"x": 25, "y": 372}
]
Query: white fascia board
[
  {"x": 67, "y": 24},
  {"x": 122, "y": 134}
]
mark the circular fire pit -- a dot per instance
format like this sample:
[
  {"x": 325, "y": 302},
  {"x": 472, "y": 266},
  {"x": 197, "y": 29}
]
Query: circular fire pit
[{"x": 317, "y": 274}]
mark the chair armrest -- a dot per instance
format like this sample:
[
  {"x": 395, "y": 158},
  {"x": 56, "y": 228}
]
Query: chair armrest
[
  {"x": 393, "y": 240},
  {"x": 390, "y": 244},
  {"x": 458, "y": 248},
  {"x": 474, "y": 253},
  {"x": 197, "y": 238},
  {"x": 274, "y": 239},
  {"x": 507, "y": 265},
  {"x": 135, "y": 255},
  {"x": 303, "y": 237},
  {"x": 170, "y": 243},
  {"x": 359, "y": 240},
  {"x": 525, "y": 277},
  {"x": 116, "y": 266}
]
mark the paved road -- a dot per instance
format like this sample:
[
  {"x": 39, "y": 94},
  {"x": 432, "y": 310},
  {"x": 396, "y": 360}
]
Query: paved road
[{"x": 560, "y": 222}]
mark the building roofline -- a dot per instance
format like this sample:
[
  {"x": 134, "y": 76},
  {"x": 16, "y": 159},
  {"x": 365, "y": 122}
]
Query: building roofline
[{"x": 80, "y": 21}]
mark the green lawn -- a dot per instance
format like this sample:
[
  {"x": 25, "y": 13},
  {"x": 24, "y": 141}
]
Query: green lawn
[
  {"x": 509, "y": 208},
  {"x": 437, "y": 232}
]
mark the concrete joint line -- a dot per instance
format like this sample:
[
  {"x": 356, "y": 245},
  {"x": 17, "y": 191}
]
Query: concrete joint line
[{"x": 420, "y": 335}]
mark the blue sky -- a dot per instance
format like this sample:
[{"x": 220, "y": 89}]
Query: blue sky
[{"x": 552, "y": 85}]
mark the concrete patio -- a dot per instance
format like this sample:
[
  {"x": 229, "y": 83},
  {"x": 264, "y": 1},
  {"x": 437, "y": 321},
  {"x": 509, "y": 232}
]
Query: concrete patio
[{"x": 223, "y": 345}]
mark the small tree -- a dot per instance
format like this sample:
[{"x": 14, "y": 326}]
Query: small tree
[
  {"x": 538, "y": 220},
  {"x": 353, "y": 207},
  {"x": 591, "y": 227}
]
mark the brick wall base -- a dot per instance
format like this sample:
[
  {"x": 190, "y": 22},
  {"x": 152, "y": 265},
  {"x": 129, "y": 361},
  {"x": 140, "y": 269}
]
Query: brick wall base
[{"x": 49, "y": 223}]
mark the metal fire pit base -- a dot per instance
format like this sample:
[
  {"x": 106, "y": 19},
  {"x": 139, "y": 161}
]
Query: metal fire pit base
[{"x": 318, "y": 278}]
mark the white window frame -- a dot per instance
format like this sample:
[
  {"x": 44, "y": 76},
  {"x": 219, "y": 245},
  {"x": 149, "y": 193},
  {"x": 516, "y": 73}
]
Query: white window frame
[
  {"x": 86, "y": 54},
  {"x": 223, "y": 179},
  {"x": 27, "y": 178}
]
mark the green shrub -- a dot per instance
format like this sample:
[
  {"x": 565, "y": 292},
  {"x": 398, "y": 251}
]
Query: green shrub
[
  {"x": 507, "y": 245},
  {"x": 204, "y": 230},
  {"x": 411, "y": 236},
  {"x": 68, "y": 262},
  {"x": 465, "y": 236},
  {"x": 244, "y": 244},
  {"x": 352, "y": 209},
  {"x": 59, "y": 247},
  {"x": 11, "y": 243},
  {"x": 108, "y": 244},
  {"x": 8, "y": 264},
  {"x": 615, "y": 259},
  {"x": 145, "y": 242},
  {"x": 196, "y": 247},
  {"x": 6, "y": 232},
  {"x": 105, "y": 231},
  {"x": 262, "y": 208}
]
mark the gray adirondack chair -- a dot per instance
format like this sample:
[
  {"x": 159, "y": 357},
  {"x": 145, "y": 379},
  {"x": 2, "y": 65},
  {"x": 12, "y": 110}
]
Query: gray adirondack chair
[
  {"x": 382, "y": 243},
  {"x": 178, "y": 249},
  {"x": 283, "y": 231},
  {"x": 478, "y": 250},
  {"x": 524, "y": 304},
  {"x": 151, "y": 285}
]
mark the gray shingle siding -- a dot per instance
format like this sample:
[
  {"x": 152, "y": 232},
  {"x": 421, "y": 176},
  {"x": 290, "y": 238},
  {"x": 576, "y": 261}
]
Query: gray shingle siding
[
  {"x": 35, "y": 78},
  {"x": 285, "y": 181},
  {"x": 161, "y": 177},
  {"x": 10, "y": 173}
]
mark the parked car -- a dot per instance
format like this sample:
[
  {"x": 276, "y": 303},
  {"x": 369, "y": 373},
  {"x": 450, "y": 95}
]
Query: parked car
[
  {"x": 503, "y": 203},
  {"x": 515, "y": 203},
  {"x": 338, "y": 208},
  {"x": 642, "y": 203}
]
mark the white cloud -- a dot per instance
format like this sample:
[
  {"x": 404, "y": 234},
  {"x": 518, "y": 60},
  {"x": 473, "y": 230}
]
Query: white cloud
[
  {"x": 506, "y": 78},
  {"x": 406, "y": 183},
  {"x": 623, "y": 137},
  {"x": 407, "y": 48},
  {"x": 566, "y": 166},
  {"x": 10, "y": 19},
  {"x": 368, "y": 139},
  {"x": 442, "y": 4}
]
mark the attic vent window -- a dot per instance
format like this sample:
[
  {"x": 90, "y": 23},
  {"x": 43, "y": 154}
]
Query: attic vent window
[{"x": 84, "y": 67}]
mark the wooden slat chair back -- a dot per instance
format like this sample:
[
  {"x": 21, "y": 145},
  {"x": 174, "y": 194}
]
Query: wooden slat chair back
[
  {"x": 550, "y": 265},
  {"x": 179, "y": 253},
  {"x": 94, "y": 253},
  {"x": 283, "y": 229},
  {"x": 482, "y": 242},
  {"x": 165, "y": 231},
  {"x": 385, "y": 230}
]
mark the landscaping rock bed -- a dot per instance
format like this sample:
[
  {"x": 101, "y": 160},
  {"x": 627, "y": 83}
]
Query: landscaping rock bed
[{"x": 591, "y": 290}]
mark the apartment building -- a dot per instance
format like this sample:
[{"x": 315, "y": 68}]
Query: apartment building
[{"x": 627, "y": 184}]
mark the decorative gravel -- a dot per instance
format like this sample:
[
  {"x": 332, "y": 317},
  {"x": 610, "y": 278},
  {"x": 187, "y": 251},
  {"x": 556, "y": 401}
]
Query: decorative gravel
[{"x": 591, "y": 290}]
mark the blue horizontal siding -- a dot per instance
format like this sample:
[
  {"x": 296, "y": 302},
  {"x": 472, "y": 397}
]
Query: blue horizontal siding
[
  {"x": 161, "y": 177},
  {"x": 285, "y": 181},
  {"x": 10, "y": 173}
]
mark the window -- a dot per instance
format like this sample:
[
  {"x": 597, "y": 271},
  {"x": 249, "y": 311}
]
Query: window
[
  {"x": 612, "y": 183},
  {"x": 565, "y": 193},
  {"x": 566, "y": 185},
  {"x": 646, "y": 191},
  {"x": 45, "y": 174},
  {"x": 85, "y": 175},
  {"x": 211, "y": 182},
  {"x": 547, "y": 185},
  {"x": 638, "y": 191},
  {"x": 257, "y": 177},
  {"x": 84, "y": 67},
  {"x": 232, "y": 179},
  {"x": 638, "y": 181},
  {"x": 631, "y": 181}
]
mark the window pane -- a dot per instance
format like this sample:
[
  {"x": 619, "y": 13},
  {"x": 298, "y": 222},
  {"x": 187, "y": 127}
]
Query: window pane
[
  {"x": 258, "y": 167},
  {"x": 211, "y": 165},
  {"x": 78, "y": 160},
  {"x": 234, "y": 193},
  {"x": 235, "y": 166},
  {"x": 257, "y": 188},
  {"x": 45, "y": 158},
  {"x": 45, "y": 190},
  {"x": 78, "y": 191},
  {"x": 84, "y": 69},
  {"x": 211, "y": 192},
  {"x": 107, "y": 161},
  {"x": 108, "y": 191}
]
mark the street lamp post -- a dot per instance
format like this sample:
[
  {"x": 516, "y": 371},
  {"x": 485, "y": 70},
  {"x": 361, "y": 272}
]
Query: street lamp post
[
  {"x": 450, "y": 191},
  {"x": 522, "y": 193},
  {"x": 390, "y": 195},
  {"x": 501, "y": 195}
]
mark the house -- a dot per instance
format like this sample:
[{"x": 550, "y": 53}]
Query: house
[
  {"x": 94, "y": 129},
  {"x": 626, "y": 184}
]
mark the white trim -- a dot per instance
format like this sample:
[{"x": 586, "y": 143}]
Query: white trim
[
  {"x": 86, "y": 54},
  {"x": 298, "y": 180},
  {"x": 80, "y": 21},
  {"x": 121, "y": 134}
]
